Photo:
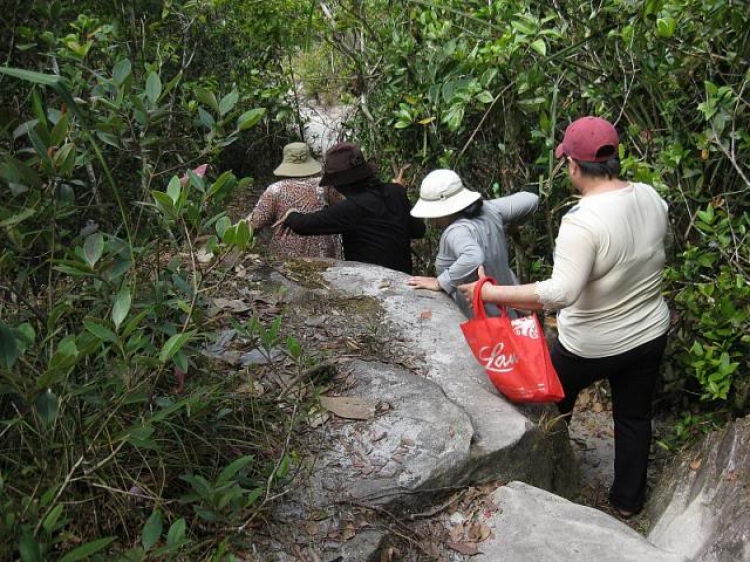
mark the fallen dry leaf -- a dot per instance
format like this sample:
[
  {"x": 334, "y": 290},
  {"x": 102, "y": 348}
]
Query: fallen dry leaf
[
  {"x": 349, "y": 407},
  {"x": 384, "y": 284},
  {"x": 204, "y": 256},
  {"x": 457, "y": 532},
  {"x": 696, "y": 464},
  {"x": 234, "y": 305},
  {"x": 426, "y": 315},
  {"x": 465, "y": 548},
  {"x": 312, "y": 528},
  {"x": 479, "y": 531},
  {"x": 348, "y": 532}
]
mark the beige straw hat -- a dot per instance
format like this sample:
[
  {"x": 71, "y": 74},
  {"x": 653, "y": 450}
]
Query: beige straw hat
[
  {"x": 298, "y": 162},
  {"x": 442, "y": 193}
]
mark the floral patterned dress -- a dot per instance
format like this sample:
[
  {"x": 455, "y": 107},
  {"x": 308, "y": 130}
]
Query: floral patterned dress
[{"x": 307, "y": 196}]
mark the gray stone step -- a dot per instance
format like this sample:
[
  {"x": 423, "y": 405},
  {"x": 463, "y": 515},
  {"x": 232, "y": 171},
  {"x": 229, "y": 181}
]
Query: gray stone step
[{"x": 535, "y": 525}]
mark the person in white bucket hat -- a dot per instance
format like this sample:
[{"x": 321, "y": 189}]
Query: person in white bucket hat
[
  {"x": 474, "y": 233},
  {"x": 299, "y": 189}
]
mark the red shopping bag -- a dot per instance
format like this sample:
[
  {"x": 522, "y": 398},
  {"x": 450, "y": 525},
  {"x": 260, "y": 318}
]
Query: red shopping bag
[{"x": 513, "y": 353}]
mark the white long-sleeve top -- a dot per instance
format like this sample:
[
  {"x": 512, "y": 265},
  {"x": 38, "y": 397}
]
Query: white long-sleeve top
[{"x": 606, "y": 280}]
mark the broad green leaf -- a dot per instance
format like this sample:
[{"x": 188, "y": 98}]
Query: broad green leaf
[
  {"x": 93, "y": 248},
  {"x": 121, "y": 71},
  {"x": 228, "y": 102},
  {"x": 152, "y": 530},
  {"x": 19, "y": 218},
  {"x": 153, "y": 87},
  {"x": 173, "y": 345},
  {"x": 222, "y": 225},
  {"x": 206, "y": 118},
  {"x": 31, "y": 76},
  {"x": 101, "y": 332},
  {"x": 243, "y": 234},
  {"x": 29, "y": 548},
  {"x": 163, "y": 198},
  {"x": 174, "y": 189},
  {"x": 226, "y": 178},
  {"x": 8, "y": 347},
  {"x": 85, "y": 551},
  {"x": 250, "y": 118},
  {"x": 60, "y": 130},
  {"x": 232, "y": 469},
  {"x": 51, "y": 520},
  {"x": 207, "y": 97},
  {"x": 121, "y": 307},
  {"x": 46, "y": 406},
  {"x": 540, "y": 47},
  {"x": 25, "y": 336},
  {"x": 176, "y": 533}
]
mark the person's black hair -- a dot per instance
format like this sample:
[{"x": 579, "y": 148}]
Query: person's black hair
[
  {"x": 472, "y": 210},
  {"x": 370, "y": 182},
  {"x": 608, "y": 169}
]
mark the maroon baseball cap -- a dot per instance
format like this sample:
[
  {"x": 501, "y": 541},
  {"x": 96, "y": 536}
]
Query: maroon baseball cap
[{"x": 589, "y": 139}]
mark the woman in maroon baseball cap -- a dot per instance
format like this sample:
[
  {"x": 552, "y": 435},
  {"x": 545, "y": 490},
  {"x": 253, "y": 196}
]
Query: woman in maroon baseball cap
[{"x": 606, "y": 284}]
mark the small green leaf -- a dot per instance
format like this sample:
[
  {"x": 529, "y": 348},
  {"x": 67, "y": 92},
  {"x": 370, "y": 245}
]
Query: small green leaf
[
  {"x": 121, "y": 307},
  {"x": 121, "y": 71},
  {"x": 234, "y": 467},
  {"x": 250, "y": 118},
  {"x": 222, "y": 225},
  {"x": 174, "y": 189},
  {"x": 153, "y": 87},
  {"x": 93, "y": 248},
  {"x": 101, "y": 332},
  {"x": 228, "y": 102},
  {"x": 29, "y": 548},
  {"x": 19, "y": 218},
  {"x": 176, "y": 533},
  {"x": 207, "y": 97},
  {"x": 86, "y": 550},
  {"x": 152, "y": 530},
  {"x": 8, "y": 347},
  {"x": 30, "y": 76},
  {"x": 206, "y": 118},
  {"x": 173, "y": 345},
  {"x": 46, "y": 406},
  {"x": 51, "y": 520},
  {"x": 540, "y": 47}
]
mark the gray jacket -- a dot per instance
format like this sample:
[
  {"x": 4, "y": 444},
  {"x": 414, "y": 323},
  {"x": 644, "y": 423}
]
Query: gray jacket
[{"x": 468, "y": 243}]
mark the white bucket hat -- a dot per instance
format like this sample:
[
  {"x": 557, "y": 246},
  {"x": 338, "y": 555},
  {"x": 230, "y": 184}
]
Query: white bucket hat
[
  {"x": 442, "y": 193},
  {"x": 298, "y": 162}
]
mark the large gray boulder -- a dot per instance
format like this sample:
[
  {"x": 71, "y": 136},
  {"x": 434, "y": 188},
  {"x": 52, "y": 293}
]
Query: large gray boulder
[
  {"x": 417, "y": 441},
  {"x": 507, "y": 442},
  {"x": 532, "y": 524},
  {"x": 702, "y": 506}
]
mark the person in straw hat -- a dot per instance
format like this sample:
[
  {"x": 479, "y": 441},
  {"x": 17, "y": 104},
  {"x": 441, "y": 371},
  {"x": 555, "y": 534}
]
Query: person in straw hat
[
  {"x": 300, "y": 189},
  {"x": 474, "y": 233},
  {"x": 373, "y": 220}
]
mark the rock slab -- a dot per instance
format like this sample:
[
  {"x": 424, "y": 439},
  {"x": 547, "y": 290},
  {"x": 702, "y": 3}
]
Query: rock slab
[
  {"x": 532, "y": 524},
  {"x": 507, "y": 443},
  {"x": 418, "y": 442},
  {"x": 702, "y": 506}
]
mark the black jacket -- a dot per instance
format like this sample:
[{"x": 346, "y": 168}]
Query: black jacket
[{"x": 374, "y": 222}]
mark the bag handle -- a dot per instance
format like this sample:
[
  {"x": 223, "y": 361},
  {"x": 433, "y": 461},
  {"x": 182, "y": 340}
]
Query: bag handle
[{"x": 478, "y": 303}]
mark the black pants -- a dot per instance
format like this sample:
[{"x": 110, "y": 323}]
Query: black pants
[{"x": 632, "y": 376}]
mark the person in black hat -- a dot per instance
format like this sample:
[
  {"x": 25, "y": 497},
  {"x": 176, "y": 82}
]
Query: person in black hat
[{"x": 374, "y": 219}]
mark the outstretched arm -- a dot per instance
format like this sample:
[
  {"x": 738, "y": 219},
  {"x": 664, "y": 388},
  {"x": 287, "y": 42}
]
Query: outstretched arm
[
  {"x": 575, "y": 253},
  {"x": 336, "y": 219}
]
